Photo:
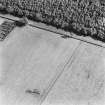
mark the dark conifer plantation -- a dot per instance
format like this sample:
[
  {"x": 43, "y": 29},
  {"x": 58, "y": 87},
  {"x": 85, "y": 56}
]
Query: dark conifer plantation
[{"x": 83, "y": 17}]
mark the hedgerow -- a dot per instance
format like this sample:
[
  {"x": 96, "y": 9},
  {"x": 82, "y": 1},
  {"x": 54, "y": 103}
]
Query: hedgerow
[{"x": 83, "y": 17}]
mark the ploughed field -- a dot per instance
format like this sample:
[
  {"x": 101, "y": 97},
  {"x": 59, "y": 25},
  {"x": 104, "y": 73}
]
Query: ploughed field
[{"x": 38, "y": 67}]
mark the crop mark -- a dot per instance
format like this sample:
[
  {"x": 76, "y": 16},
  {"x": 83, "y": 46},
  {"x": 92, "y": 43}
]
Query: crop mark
[{"x": 34, "y": 91}]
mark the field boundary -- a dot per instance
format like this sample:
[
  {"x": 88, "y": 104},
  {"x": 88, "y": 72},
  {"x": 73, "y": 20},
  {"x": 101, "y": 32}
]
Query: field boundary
[{"x": 60, "y": 32}]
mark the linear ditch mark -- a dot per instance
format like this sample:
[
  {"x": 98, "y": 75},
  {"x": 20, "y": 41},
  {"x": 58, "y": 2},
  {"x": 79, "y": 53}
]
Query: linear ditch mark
[
  {"x": 62, "y": 34},
  {"x": 54, "y": 80}
]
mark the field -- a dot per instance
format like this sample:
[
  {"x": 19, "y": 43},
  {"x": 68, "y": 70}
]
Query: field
[{"x": 39, "y": 67}]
